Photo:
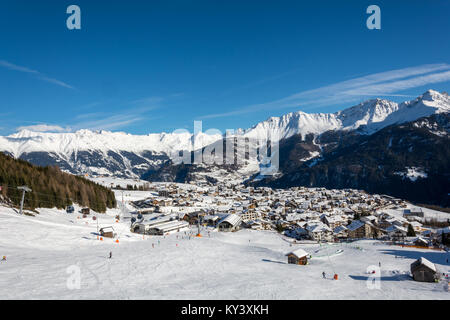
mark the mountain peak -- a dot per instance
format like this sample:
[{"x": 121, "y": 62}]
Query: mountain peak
[
  {"x": 370, "y": 115},
  {"x": 432, "y": 95}
]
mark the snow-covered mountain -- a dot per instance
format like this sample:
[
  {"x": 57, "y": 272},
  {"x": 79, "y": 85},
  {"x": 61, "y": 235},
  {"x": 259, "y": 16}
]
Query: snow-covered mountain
[
  {"x": 308, "y": 137},
  {"x": 368, "y": 116},
  {"x": 27, "y": 141},
  {"x": 126, "y": 155},
  {"x": 101, "y": 152}
]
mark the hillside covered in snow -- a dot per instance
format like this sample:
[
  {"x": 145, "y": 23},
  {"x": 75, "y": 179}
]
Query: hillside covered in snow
[{"x": 45, "y": 255}]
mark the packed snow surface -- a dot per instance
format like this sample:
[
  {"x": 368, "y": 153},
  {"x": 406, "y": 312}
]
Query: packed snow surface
[{"x": 42, "y": 253}]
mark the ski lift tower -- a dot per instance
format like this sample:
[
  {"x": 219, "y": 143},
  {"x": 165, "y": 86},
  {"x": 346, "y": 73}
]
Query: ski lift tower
[
  {"x": 198, "y": 219},
  {"x": 24, "y": 189}
]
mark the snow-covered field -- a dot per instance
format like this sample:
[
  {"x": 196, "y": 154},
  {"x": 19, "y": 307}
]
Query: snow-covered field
[
  {"x": 428, "y": 214},
  {"x": 44, "y": 253}
]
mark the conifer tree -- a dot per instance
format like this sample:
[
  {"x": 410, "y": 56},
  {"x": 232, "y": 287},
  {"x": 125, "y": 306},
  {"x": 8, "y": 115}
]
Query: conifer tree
[{"x": 411, "y": 232}]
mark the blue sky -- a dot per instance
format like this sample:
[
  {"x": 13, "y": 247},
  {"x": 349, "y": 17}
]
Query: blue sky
[{"x": 151, "y": 66}]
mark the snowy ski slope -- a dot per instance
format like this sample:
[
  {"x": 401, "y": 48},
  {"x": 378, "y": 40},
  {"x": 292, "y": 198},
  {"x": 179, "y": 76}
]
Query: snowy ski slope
[{"x": 243, "y": 265}]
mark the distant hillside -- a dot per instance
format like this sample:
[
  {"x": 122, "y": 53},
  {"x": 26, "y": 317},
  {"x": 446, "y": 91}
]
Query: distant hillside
[{"x": 50, "y": 187}]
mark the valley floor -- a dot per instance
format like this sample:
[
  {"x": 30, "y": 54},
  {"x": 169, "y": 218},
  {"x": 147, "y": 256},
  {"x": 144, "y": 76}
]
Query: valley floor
[{"x": 41, "y": 252}]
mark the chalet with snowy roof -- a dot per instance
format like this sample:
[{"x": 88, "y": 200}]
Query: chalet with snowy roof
[
  {"x": 372, "y": 219},
  {"x": 359, "y": 229},
  {"x": 107, "y": 232},
  {"x": 297, "y": 233},
  {"x": 420, "y": 242},
  {"x": 294, "y": 217},
  {"x": 247, "y": 215},
  {"x": 211, "y": 219},
  {"x": 389, "y": 221},
  {"x": 424, "y": 270},
  {"x": 298, "y": 256},
  {"x": 340, "y": 232},
  {"x": 254, "y": 224},
  {"x": 396, "y": 233},
  {"x": 230, "y": 222},
  {"x": 319, "y": 232},
  {"x": 417, "y": 226},
  {"x": 332, "y": 221}
]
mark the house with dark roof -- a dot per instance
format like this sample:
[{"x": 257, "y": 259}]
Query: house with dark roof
[{"x": 424, "y": 270}]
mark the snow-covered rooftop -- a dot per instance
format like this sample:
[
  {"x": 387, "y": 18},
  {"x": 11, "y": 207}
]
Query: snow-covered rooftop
[{"x": 299, "y": 253}]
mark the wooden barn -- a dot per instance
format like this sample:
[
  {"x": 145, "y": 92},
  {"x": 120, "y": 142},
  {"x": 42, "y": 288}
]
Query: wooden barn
[
  {"x": 298, "y": 256},
  {"x": 423, "y": 270}
]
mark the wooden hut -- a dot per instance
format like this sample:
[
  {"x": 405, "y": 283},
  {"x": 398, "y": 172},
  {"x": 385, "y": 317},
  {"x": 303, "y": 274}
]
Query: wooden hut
[
  {"x": 298, "y": 256},
  {"x": 107, "y": 232},
  {"x": 423, "y": 270}
]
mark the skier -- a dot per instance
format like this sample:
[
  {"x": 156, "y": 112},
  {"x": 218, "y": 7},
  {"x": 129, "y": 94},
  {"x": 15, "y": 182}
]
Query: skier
[
  {"x": 110, "y": 254},
  {"x": 379, "y": 264},
  {"x": 323, "y": 275},
  {"x": 4, "y": 258}
]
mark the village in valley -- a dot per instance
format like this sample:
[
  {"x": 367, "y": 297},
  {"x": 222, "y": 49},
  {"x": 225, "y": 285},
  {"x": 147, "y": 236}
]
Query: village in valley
[
  {"x": 299, "y": 213},
  {"x": 172, "y": 240}
]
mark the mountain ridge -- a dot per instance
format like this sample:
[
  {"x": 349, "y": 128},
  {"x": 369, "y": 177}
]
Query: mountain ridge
[{"x": 126, "y": 155}]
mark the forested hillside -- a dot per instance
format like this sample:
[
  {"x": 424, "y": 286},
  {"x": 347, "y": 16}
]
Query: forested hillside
[{"x": 50, "y": 187}]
